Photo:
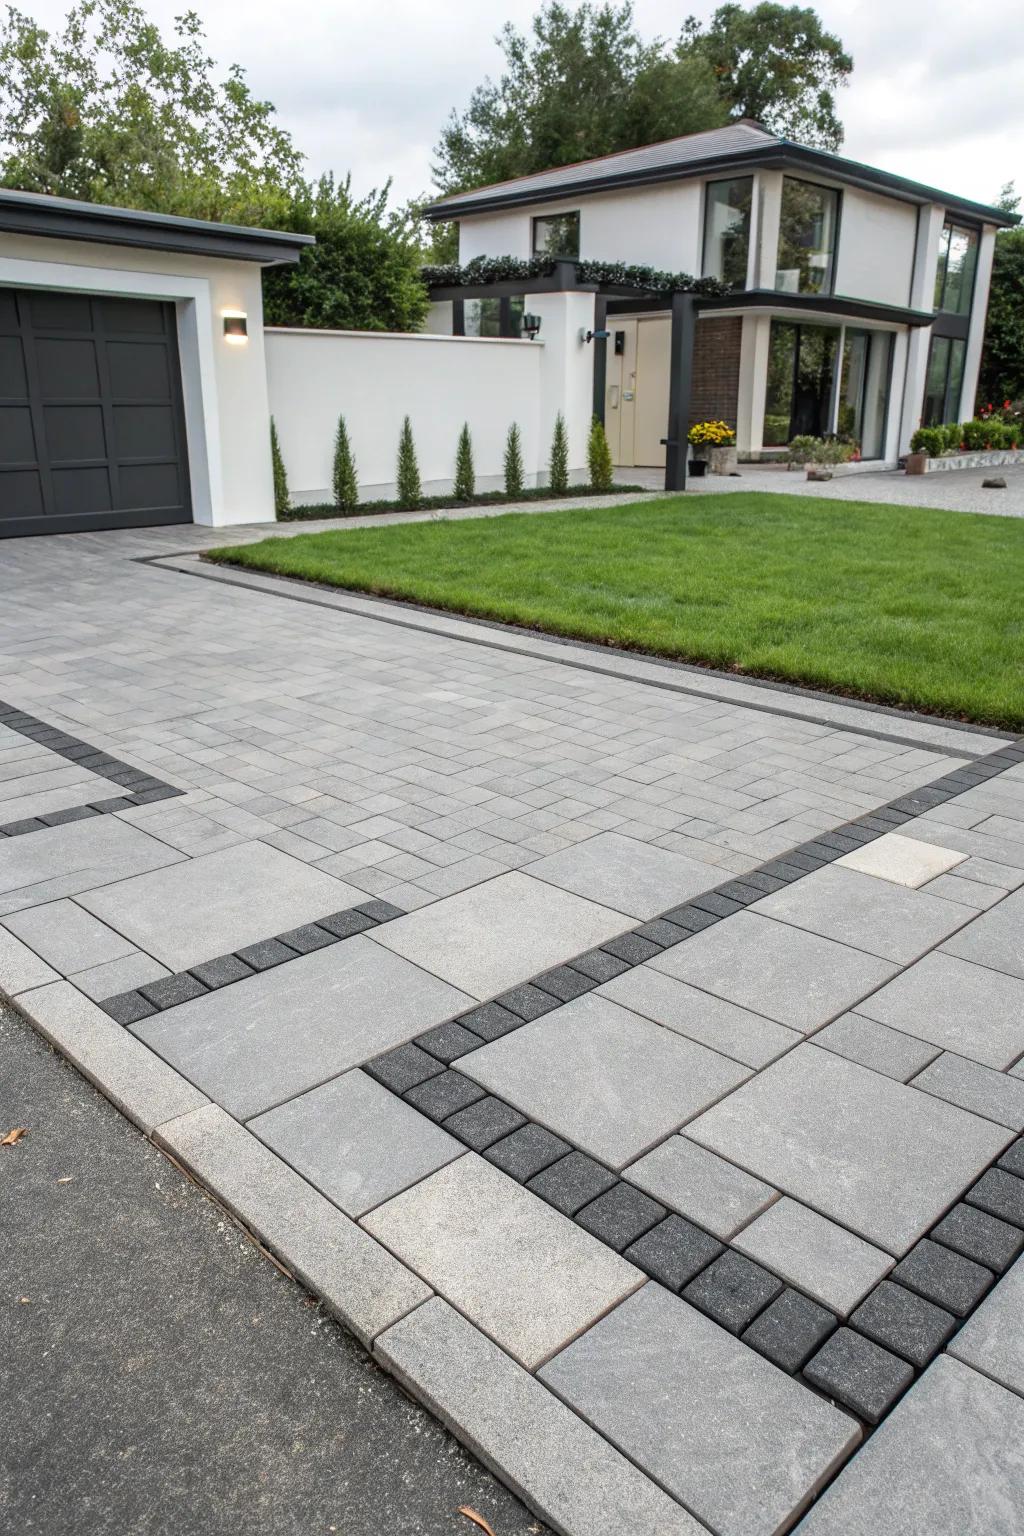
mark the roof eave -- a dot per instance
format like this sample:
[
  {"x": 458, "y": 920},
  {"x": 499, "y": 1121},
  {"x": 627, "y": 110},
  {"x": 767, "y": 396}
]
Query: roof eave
[{"x": 128, "y": 227}]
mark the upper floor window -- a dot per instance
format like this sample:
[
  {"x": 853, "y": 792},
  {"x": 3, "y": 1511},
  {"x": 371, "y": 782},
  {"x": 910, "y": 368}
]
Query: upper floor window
[
  {"x": 808, "y": 220},
  {"x": 557, "y": 234},
  {"x": 954, "y": 277},
  {"x": 727, "y": 230}
]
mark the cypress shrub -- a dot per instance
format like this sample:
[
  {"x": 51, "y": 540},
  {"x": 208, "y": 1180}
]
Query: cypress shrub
[
  {"x": 513, "y": 462},
  {"x": 344, "y": 479},
  {"x": 465, "y": 475},
  {"x": 282, "y": 500},
  {"x": 558, "y": 469},
  {"x": 409, "y": 489},
  {"x": 599, "y": 458}
]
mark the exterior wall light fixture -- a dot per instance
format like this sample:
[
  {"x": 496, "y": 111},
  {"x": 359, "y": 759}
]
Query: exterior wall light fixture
[
  {"x": 586, "y": 336},
  {"x": 531, "y": 325},
  {"x": 236, "y": 328}
]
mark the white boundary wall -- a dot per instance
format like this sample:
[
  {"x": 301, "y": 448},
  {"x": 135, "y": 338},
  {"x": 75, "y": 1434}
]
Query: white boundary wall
[{"x": 374, "y": 378}]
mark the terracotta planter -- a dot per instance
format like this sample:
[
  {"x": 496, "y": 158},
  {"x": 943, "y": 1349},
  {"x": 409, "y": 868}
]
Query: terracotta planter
[{"x": 917, "y": 463}]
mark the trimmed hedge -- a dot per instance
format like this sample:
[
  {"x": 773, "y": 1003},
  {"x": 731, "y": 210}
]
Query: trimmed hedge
[{"x": 439, "y": 503}]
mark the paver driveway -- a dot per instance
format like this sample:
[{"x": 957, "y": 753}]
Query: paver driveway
[{"x": 631, "y": 1056}]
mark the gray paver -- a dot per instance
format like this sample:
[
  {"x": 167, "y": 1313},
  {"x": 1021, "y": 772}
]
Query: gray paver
[
  {"x": 117, "y": 976},
  {"x": 956, "y": 1005},
  {"x": 693, "y": 1181},
  {"x": 994, "y": 938},
  {"x": 740, "y": 1444},
  {"x": 494, "y": 936},
  {"x": 711, "y": 1021},
  {"x": 255, "y": 1044},
  {"x": 564, "y": 1469},
  {"x": 519, "y": 1270},
  {"x": 813, "y": 1253},
  {"x": 879, "y": 1158},
  {"x": 355, "y": 1142},
  {"x": 365, "y": 1286},
  {"x": 63, "y": 861},
  {"x": 979, "y": 1089},
  {"x": 992, "y": 1340},
  {"x": 69, "y": 938},
  {"x": 796, "y": 978},
  {"x": 218, "y": 902},
  {"x": 949, "y": 1459},
  {"x": 609, "y": 1081},
  {"x": 626, "y": 874},
  {"x": 20, "y": 967},
  {"x": 875, "y": 1045},
  {"x": 883, "y": 919}
]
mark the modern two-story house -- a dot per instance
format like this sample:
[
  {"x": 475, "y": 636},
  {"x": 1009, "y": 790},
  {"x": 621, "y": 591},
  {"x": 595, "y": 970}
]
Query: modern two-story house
[{"x": 856, "y": 299}]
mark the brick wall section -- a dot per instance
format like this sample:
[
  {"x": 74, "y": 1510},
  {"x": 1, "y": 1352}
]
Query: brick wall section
[{"x": 716, "y": 370}]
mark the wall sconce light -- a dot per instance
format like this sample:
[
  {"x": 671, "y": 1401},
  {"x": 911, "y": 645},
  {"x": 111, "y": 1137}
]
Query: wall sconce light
[
  {"x": 531, "y": 325},
  {"x": 586, "y": 336},
  {"x": 236, "y": 328}
]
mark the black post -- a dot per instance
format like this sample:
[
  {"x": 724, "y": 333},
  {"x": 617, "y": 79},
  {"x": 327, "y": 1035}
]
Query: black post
[
  {"x": 684, "y": 324},
  {"x": 600, "y": 356}
]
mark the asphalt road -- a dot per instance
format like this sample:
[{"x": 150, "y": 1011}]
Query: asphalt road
[{"x": 159, "y": 1375}]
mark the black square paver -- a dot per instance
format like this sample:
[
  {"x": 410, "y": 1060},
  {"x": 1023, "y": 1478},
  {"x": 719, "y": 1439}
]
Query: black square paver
[
  {"x": 490, "y": 1021},
  {"x": 444, "y": 1095},
  {"x": 737, "y": 890},
  {"x": 944, "y": 1277},
  {"x": 344, "y": 924},
  {"x": 380, "y": 911},
  {"x": 115, "y": 803},
  {"x": 620, "y": 1215},
  {"x": 1001, "y": 1194},
  {"x": 403, "y": 1068},
  {"x": 222, "y": 971},
  {"x": 754, "y": 880},
  {"x": 733, "y": 1290},
  {"x": 717, "y": 904},
  {"x": 307, "y": 938},
  {"x": 527, "y": 1151},
  {"x": 159, "y": 792},
  {"x": 484, "y": 1122},
  {"x": 674, "y": 1252},
  {"x": 904, "y": 1323},
  {"x": 572, "y": 1183},
  {"x": 71, "y": 813},
  {"x": 1012, "y": 1159},
  {"x": 265, "y": 954},
  {"x": 980, "y": 1237},
  {"x": 448, "y": 1042},
  {"x": 599, "y": 966},
  {"x": 859, "y": 1374},
  {"x": 527, "y": 1002},
  {"x": 25, "y": 824},
  {"x": 127, "y": 1007},
  {"x": 789, "y": 1330},
  {"x": 693, "y": 919},
  {"x": 632, "y": 948},
  {"x": 663, "y": 933},
  {"x": 169, "y": 991},
  {"x": 564, "y": 983}
]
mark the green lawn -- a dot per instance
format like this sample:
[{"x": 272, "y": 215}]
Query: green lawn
[{"x": 911, "y": 607}]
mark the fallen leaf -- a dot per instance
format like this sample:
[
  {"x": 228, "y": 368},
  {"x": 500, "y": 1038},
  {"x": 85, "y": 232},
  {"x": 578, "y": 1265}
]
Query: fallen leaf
[
  {"x": 13, "y": 1136},
  {"x": 24, "y": 1301},
  {"x": 69, "y": 1179},
  {"x": 479, "y": 1520}
]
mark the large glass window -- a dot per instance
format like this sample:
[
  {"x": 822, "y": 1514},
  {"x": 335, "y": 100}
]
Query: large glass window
[
  {"x": 727, "y": 230},
  {"x": 557, "y": 235},
  {"x": 801, "y": 369},
  {"x": 954, "y": 276},
  {"x": 807, "y": 237},
  {"x": 493, "y": 317},
  {"x": 943, "y": 381},
  {"x": 864, "y": 389}
]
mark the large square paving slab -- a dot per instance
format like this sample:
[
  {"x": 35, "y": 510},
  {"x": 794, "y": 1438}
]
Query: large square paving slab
[
  {"x": 948, "y": 1461},
  {"x": 868, "y": 1152},
  {"x": 610, "y": 1081},
  {"x": 219, "y": 902},
  {"x": 736, "y": 1032},
  {"x": 526, "y": 1275},
  {"x": 259, "y": 1042},
  {"x": 995, "y": 939},
  {"x": 992, "y": 1341},
  {"x": 885, "y": 919},
  {"x": 740, "y": 1444},
  {"x": 500, "y": 933},
  {"x": 630, "y": 876},
  {"x": 61, "y": 861},
  {"x": 356, "y": 1142},
  {"x": 955, "y": 1004},
  {"x": 796, "y": 978}
]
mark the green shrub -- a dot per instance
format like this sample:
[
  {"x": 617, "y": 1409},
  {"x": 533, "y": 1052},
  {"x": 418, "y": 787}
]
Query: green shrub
[
  {"x": 802, "y": 450},
  {"x": 282, "y": 500},
  {"x": 465, "y": 475},
  {"x": 407, "y": 478},
  {"x": 929, "y": 440},
  {"x": 344, "y": 479},
  {"x": 953, "y": 435},
  {"x": 558, "y": 468},
  {"x": 599, "y": 458},
  {"x": 513, "y": 462}
]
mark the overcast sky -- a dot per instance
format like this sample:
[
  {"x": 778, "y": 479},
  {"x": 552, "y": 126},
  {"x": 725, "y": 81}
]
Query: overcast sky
[{"x": 936, "y": 92}]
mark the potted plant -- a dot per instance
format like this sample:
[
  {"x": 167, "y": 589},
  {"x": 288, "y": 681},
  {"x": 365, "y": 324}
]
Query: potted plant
[{"x": 714, "y": 445}]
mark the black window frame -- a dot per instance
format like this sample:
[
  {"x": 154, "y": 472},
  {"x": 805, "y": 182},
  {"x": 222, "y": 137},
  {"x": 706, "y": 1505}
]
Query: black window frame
[
  {"x": 551, "y": 218},
  {"x": 507, "y": 327},
  {"x": 835, "y": 192},
  {"x": 950, "y": 407},
  {"x": 725, "y": 181},
  {"x": 954, "y": 316}
]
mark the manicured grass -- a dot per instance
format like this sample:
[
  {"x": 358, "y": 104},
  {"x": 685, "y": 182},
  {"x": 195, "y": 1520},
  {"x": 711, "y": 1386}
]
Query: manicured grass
[{"x": 907, "y": 606}]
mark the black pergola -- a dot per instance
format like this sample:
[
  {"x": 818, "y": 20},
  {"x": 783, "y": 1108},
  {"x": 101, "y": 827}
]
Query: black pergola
[{"x": 684, "y": 308}]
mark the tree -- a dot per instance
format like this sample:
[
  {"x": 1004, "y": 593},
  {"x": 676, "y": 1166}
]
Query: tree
[
  {"x": 282, "y": 499},
  {"x": 110, "y": 112},
  {"x": 513, "y": 465},
  {"x": 344, "y": 478},
  {"x": 1002, "y": 360},
  {"x": 363, "y": 272},
  {"x": 599, "y": 458},
  {"x": 465, "y": 475},
  {"x": 558, "y": 467},
  {"x": 407, "y": 479},
  {"x": 777, "y": 65}
]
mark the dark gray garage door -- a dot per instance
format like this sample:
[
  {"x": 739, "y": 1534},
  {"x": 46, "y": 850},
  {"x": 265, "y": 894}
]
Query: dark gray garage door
[{"x": 91, "y": 425}]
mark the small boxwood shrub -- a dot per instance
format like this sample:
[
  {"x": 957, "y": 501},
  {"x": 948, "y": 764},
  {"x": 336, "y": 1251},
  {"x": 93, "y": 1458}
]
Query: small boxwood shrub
[{"x": 929, "y": 440}]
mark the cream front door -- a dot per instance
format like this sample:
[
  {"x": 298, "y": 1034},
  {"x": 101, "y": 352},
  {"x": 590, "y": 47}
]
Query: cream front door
[{"x": 636, "y": 389}]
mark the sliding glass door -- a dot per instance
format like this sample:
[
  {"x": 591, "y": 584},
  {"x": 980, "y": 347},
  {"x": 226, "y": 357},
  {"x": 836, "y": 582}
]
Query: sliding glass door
[{"x": 825, "y": 380}]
